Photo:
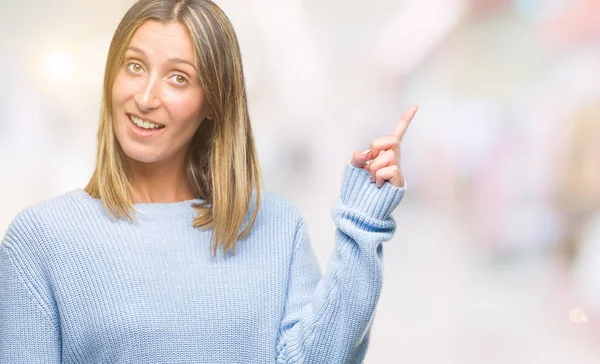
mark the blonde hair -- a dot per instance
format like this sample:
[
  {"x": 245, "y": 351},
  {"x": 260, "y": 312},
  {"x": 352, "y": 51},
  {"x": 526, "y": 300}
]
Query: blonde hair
[{"x": 222, "y": 164}]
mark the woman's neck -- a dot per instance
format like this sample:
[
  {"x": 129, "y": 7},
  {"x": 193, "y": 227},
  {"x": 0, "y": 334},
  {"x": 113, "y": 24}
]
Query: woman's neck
[{"x": 159, "y": 182}]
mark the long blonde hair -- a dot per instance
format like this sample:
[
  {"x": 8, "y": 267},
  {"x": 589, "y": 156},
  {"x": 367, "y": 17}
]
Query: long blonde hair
[{"x": 222, "y": 164}]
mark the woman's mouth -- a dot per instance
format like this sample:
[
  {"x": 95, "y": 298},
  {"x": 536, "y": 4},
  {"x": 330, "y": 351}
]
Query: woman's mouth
[
  {"x": 142, "y": 128},
  {"x": 144, "y": 124}
]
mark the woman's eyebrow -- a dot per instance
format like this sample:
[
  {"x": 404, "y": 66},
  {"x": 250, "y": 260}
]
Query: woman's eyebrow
[
  {"x": 136, "y": 49},
  {"x": 170, "y": 60},
  {"x": 181, "y": 60}
]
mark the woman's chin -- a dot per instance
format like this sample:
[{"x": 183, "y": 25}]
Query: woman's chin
[{"x": 141, "y": 157}]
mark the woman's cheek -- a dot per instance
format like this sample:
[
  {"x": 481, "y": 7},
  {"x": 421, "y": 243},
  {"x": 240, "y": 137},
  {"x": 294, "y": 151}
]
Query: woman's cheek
[
  {"x": 186, "y": 108},
  {"x": 119, "y": 91}
]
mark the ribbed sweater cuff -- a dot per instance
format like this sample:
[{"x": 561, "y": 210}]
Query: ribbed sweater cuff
[{"x": 359, "y": 193}]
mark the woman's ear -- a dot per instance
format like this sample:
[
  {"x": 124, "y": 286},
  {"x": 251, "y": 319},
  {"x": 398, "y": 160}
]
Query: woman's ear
[{"x": 209, "y": 112}]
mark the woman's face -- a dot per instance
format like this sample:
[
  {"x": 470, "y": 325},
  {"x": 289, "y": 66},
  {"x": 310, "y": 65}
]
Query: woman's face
[{"x": 158, "y": 88}]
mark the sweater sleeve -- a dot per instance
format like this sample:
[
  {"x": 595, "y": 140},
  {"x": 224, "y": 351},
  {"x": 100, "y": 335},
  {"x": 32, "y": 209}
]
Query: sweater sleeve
[
  {"x": 29, "y": 332},
  {"x": 328, "y": 319}
]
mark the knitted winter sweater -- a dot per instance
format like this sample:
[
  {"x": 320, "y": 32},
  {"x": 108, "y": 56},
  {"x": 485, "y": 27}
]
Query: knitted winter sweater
[{"x": 78, "y": 287}]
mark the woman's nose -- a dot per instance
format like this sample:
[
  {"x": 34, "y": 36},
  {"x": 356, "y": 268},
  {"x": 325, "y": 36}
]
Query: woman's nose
[{"x": 148, "y": 97}]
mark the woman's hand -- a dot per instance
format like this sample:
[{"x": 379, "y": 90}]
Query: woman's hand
[{"x": 382, "y": 160}]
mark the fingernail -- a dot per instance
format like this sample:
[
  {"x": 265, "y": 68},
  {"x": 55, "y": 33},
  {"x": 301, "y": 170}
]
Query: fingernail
[{"x": 366, "y": 152}]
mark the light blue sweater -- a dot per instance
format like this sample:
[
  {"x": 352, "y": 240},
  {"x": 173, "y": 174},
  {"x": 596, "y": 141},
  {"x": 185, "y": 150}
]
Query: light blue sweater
[{"x": 77, "y": 287}]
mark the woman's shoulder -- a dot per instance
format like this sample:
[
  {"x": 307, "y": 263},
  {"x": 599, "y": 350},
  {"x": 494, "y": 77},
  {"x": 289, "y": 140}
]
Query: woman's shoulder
[
  {"x": 275, "y": 201},
  {"x": 276, "y": 205},
  {"x": 276, "y": 223},
  {"x": 50, "y": 206},
  {"x": 30, "y": 220},
  {"x": 34, "y": 239},
  {"x": 276, "y": 212}
]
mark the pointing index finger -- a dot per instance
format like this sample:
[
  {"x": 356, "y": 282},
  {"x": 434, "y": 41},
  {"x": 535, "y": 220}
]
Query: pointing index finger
[{"x": 400, "y": 128}]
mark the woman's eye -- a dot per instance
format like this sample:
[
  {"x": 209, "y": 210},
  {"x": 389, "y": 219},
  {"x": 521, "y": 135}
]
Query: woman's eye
[
  {"x": 134, "y": 67},
  {"x": 179, "y": 79}
]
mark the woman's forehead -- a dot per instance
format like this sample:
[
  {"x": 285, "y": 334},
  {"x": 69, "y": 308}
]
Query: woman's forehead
[{"x": 163, "y": 41}]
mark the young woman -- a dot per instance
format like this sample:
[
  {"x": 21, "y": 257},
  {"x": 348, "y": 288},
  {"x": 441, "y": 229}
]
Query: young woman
[{"x": 172, "y": 253}]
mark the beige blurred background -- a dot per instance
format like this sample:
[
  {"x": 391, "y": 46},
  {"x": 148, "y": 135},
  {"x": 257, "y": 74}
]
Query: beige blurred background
[{"x": 496, "y": 258}]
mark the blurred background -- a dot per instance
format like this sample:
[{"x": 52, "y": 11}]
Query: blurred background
[{"x": 496, "y": 258}]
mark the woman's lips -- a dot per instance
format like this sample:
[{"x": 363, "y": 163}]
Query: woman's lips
[
  {"x": 141, "y": 132},
  {"x": 136, "y": 118}
]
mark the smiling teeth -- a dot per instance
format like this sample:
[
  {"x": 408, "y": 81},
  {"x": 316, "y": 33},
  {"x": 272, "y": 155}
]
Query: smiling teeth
[{"x": 144, "y": 124}]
